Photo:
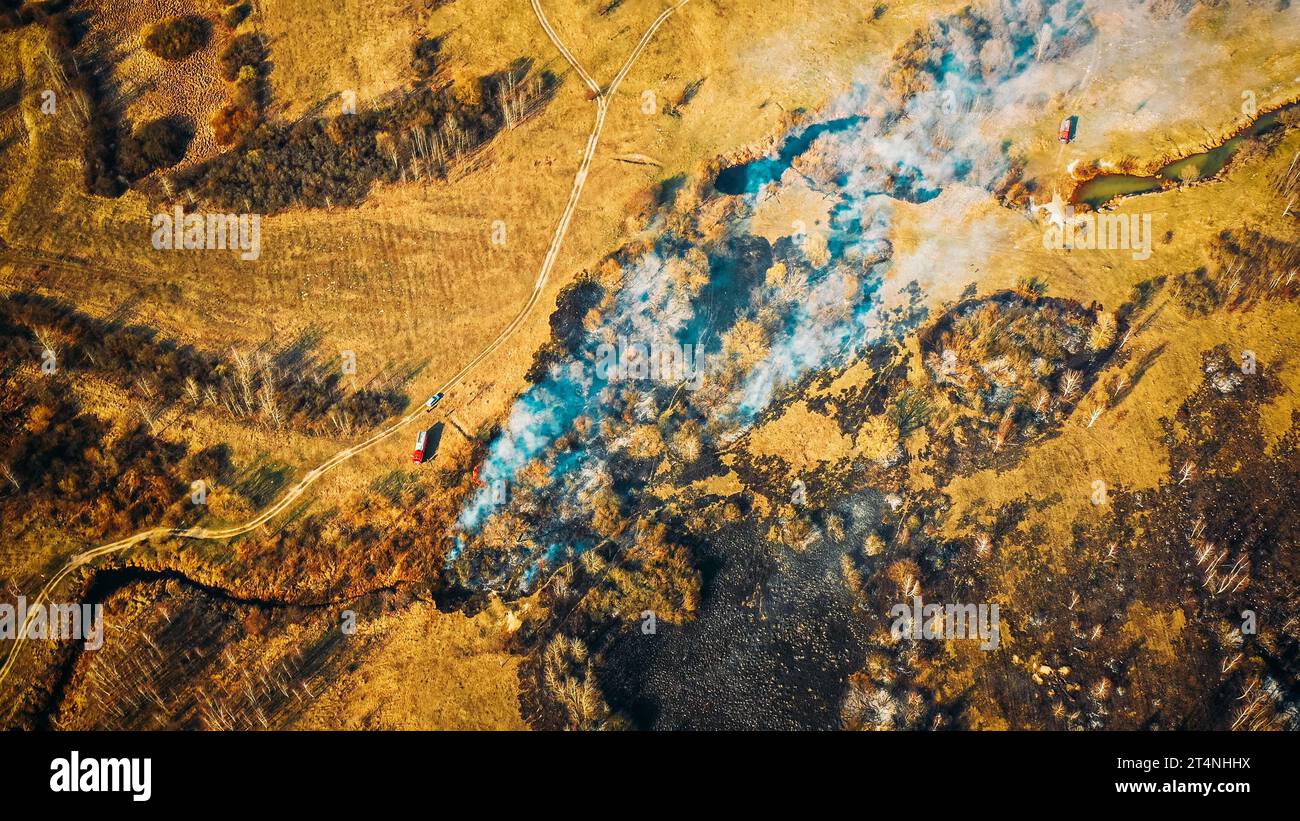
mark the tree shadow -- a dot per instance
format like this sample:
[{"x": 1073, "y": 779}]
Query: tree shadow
[{"x": 263, "y": 480}]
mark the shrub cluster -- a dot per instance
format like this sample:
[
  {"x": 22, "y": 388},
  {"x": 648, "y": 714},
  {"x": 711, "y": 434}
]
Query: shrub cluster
[
  {"x": 319, "y": 162},
  {"x": 156, "y": 144},
  {"x": 178, "y": 37}
]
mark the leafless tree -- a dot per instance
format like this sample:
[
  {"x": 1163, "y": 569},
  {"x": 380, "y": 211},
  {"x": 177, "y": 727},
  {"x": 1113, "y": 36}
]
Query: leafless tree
[{"x": 1071, "y": 381}]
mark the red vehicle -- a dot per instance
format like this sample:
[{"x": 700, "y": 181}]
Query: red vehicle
[
  {"x": 418, "y": 456},
  {"x": 1067, "y": 130}
]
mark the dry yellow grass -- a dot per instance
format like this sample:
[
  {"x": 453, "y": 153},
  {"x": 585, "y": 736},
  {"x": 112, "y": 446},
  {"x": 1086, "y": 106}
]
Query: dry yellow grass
[
  {"x": 425, "y": 670},
  {"x": 319, "y": 50},
  {"x": 1156, "y": 631},
  {"x": 797, "y": 210},
  {"x": 803, "y": 438}
]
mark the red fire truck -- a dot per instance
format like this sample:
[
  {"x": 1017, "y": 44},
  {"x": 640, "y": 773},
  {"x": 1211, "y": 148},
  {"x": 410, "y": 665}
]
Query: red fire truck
[
  {"x": 418, "y": 456},
  {"x": 1066, "y": 132}
]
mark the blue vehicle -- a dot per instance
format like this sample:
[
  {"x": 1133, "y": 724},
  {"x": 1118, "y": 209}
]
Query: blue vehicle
[{"x": 433, "y": 400}]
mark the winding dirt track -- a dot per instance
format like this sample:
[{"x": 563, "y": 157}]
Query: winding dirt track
[{"x": 602, "y": 98}]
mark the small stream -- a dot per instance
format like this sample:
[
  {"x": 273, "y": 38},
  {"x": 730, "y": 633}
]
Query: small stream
[{"x": 1100, "y": 190}]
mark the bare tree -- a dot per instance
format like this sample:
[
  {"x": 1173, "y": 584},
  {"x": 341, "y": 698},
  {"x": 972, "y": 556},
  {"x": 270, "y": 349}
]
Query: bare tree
[
  {"x": 1071, "y": 381},
  {"x": 269, "y": 399},
  {"x": 244, "y": 375}
]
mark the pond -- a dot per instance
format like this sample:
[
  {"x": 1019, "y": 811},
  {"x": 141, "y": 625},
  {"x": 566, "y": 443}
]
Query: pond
[
  {"x": 749, "y": 177},
  {"x": 1100, "y": 190}
]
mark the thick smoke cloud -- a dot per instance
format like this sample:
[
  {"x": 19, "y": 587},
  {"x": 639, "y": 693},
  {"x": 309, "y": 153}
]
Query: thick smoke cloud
[{"x": 906, "y": 137}]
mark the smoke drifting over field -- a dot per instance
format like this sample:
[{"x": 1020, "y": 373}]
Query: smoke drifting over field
[{"x": 765, "y": 315}]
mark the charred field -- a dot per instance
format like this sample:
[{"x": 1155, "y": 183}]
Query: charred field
[{"x": 772, "y": 646}]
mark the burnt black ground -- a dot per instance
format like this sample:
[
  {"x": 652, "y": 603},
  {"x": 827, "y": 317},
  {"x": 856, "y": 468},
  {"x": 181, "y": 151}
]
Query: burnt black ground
[{"x": 771, "y": 648}]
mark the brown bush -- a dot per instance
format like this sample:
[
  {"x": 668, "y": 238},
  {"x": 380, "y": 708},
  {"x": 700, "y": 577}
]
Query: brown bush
[{"x": 232, "y": 123}]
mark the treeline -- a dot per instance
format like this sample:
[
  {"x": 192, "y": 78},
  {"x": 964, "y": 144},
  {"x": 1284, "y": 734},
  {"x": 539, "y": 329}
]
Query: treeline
[
  {"x": 567, "y": 332},
  {"x": 920, "y": 62},
  {"x": 392, "y": 533},
  {"x": 1020, "y": 363},
  {"x": 322, "y": 162},
  {"x": 153, "y": 675},
  {"x": 288, "y": 388}
]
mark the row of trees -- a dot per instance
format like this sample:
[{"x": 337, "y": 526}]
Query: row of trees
[
  {"x": 60, "y": 463},
  {"x": 1246, "y": 266},
  {"x": 319, "y": 162},
  {"x": 243, "y": 63},
  {"x": 289, "y": 388}
]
